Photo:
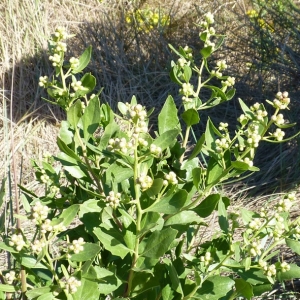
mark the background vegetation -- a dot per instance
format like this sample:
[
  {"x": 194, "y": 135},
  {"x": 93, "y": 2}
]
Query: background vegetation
[{"x": 131, "y": 57}]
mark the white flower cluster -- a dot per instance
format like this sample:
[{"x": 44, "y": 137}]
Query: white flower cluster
[
  {"x": 222, "y": 65},
  {"x": 284, "y": 205},
  {"x": 37, "y": 246},
  {"x": 155, "y": 150},
  {"x": 72, "y": 284},
  {"x": 145, "y": 181},
  {"x": 223, "y": 126},
  {"x": 136, "y": 112},
  {"x": 207, "y": 259},
  {"x": 76, "y": 246},
  {"x": 258, "y": 111},
  {"x": 43, "y": 81},
  {"x": 17, "y": 241},
  {"x": 269, "y": 270},
  {"x": 39, "y": 212},
  {"x": 255, "y": 224},
  {"x": 56, "y": 59},
  {"x": 142, "y": 142},
  {"x": 216, "y": 73},
  {"x": 243, "y": 119},
  {"x": 54, "y": 189},
  {"x": 170, "y": 179},
  {"x": 278, "y": 119},
  {"x": 182, "y": 62},
  {"x": 221, "y": 144},
  {"x": 209, "y": 20},
  {"x": 74, "y": 62},
  {"x": 255, "y": 248},
  {"x": 253, "y": 136},
  {"x": 278, "y": 134},
  {"x": 77, "y": 86},
  {"x": 113, "y": 199},
  {"x": 285, "y": 266},
  {"x": 230, "y": 81},
  {"x": 61, "y": 47},
  {"x": 119, "y": 145},
  {"x": 46, "y": 226},
  {"x": 10, "y": 277},
  {"x": 248, "y": 161},
  {"x": 60, "y": 33},
  {"x": 282, "y": 100},
  {"x": 187, "y": 89},
  {"x": 45, "y": 178},
  {"x": 188, "y": 51}
]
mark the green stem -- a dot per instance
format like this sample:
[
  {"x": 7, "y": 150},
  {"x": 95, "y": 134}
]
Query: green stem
[
  {"x": 139, "y": 213},
  {"x": 83, "y": 146},
  {"x": 185, "y": 141}
]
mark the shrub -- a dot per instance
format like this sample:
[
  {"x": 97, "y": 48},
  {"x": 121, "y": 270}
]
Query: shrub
[{"x": 124, "y": 211}]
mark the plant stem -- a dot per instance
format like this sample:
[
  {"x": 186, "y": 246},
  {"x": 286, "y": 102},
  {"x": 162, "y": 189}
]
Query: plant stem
[
  {"x": 139, "y": 213},
  {"x": 185, "y": 141},
  {"x": 83, "y": 146}
]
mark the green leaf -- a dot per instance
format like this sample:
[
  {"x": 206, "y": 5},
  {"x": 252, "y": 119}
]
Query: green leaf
[
  {"x": 4, "y": 246},
  {"x": 294, "y": 245},
  {"x": 184, "y": 217},
  {"x": 91, "y": 118},
  {"x": 187, "y": 71},
  {"x": 168, "y": 118},
  {"x": 197, "y": 175},
  {"x": 89, "y": 252},
  {"x": 189, "y": 166},
  {"x": 66, "y": 150},
  {"x": 88, "y": 82},
  {"x": 31, "y": 262},
  {"x": 239, "y": 165},
  {"x": 190, "y": 117},
  {"x": 243, "y": 288},
  {"x": 203, "y": 36},
  {"x": 253, "y": 276},
  {"x": 230, "y": 94},
  {"x": 34, "y": 293},
  {"x": 111, "y": 243},
  {"x": 68, "y": 215},
  {"x": 166, "y": 139},
  {"x": 74, "y": 113},
  {"x": 173, "y": 276},
  {"x": 122, "y": 108},
  {"x": 206, "y": 51},
  {"x": 208, "y": 205},
  {"x": 293, "y": 273},
  {"x": 170, "y": 204},
  {"x": 47, "y": 296},
  {"x": 247, "y": 111},
  {"x": 209, "y": 135},
  {"x": 198, "y": 147},
  {"x": 214, "y": 172},
  {"x": 155, "y": 187},
  {"x": 84, "y": 60},
  {"x": 8, "y": 288},
  {"x": 89, "y": 289},
  {"x": 119, "y": 173},
  {"x": 260, "y": 289},
  {"x": 159, "y": 243},
  {"x": 214, "y": 288},
  {"x": 109, "y": 131},
  {"x": 150, "y": 222},
  {"x": 223, "y": 220}
]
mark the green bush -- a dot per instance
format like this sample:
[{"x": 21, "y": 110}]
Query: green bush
[{"x": 124, "y": 210}]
